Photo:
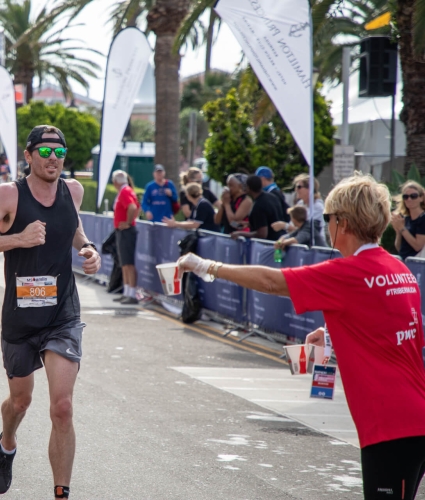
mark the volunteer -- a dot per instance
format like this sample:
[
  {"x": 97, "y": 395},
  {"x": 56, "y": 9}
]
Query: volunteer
[{"x": 372, "y": 308}]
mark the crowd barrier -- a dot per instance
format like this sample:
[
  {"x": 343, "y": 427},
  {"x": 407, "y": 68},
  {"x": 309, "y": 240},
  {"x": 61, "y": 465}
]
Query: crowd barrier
[{"x": 255, "y": 311}]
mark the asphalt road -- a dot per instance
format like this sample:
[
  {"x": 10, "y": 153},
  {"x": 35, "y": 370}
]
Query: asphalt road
[{"x": 147, "y": 429}]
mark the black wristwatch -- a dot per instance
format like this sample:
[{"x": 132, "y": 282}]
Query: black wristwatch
[{"x": 89, "y": 244}]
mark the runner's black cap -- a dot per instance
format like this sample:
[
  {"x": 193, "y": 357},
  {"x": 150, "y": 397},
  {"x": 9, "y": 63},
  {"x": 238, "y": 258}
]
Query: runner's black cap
[{"x": 36, "y": 136}]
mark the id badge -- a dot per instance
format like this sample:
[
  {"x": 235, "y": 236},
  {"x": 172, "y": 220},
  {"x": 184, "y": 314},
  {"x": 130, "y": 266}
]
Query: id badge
[
  {"x": 323, "y": 382},
  {"x": 38, "y": 291}
]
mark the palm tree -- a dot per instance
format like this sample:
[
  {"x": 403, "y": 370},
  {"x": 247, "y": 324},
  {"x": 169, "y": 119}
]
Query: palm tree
[
  {"x": 34, "y": 48},
  {"x": 410, "y": 19},
  {"x": 189, "y": 29},
  {"x": 162, "y": 17}
]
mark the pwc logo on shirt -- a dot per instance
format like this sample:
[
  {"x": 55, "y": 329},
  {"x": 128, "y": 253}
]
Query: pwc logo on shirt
[{"x": 410, "y": 333}]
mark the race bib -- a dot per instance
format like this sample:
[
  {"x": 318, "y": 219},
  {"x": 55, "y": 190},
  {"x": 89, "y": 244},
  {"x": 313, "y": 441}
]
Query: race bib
[{"x": 38, "y": 291}]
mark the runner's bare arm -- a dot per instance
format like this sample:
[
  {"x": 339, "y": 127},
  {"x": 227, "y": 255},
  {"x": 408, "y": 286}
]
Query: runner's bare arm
[
  {"x": 92, "y": 263},
  {"x": 33, "y": 235}
]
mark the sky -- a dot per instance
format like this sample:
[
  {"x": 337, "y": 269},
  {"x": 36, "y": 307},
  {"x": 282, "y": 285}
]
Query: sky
[{"x": 97, "y": 34}]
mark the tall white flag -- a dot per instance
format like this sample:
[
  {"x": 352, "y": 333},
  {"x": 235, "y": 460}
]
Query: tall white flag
[
  {"x": 127, "y": 63},
  {"x": 275, "y": 35},
  {"x": 8, "y": 131}
]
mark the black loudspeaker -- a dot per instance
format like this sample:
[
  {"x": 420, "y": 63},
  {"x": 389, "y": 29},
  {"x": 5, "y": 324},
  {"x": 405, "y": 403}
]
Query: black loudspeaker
[{"x": 378, "y": 67}]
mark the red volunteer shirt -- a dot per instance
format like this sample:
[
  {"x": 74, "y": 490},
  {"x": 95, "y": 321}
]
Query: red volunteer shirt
[
  {"x": 125, "y": 198},
  {"x": 372, "y": 307}
]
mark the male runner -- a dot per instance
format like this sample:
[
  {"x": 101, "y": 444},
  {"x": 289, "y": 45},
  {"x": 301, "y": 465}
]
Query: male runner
[{"x": 39, "y": 224}]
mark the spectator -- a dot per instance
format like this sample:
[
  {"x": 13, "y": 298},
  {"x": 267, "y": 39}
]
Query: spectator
[
  {"x": 302, "y": 233},
  {"x": 269, "y": 186},
  {"x": 159, "y": 196},
  {"x": 302, "y": 190},
  {"x": 202, "y": 215},
  {"x": 263, "y": 214},
  {"x": 194, "y": 174},
  {"x": 126, "y": 210},
  {"x": 235, "y": 206},
  {"x": 409, "y": 220}
]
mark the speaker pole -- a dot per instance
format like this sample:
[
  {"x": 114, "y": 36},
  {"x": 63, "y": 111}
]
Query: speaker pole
[
  {"x": 346, "y": 62},
  {"x": 392, "y": 143}
]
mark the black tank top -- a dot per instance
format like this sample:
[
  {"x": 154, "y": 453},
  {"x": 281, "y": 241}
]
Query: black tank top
[{"x": 54, "y": 258}]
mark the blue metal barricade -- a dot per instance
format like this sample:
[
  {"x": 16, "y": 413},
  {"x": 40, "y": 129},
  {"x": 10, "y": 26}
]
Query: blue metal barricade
[
  {"x": 220, "y": 296},
  {"x": 271, "y": 312}
]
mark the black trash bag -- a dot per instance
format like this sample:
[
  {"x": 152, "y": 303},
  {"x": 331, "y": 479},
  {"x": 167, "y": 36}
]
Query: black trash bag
[
  {"x": 189, "y": 243},
  {"x": 192, "y": 307},
  {"x": 109, "y": 247}
]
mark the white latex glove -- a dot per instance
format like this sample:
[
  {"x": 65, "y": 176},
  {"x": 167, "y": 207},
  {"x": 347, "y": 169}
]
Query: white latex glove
[{"x": 195, "y": 264}]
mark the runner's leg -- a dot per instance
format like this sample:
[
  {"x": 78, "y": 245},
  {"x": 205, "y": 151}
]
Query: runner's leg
[
  {"x": 61, "y": 375},
  {"x": 14, "y": 408}
]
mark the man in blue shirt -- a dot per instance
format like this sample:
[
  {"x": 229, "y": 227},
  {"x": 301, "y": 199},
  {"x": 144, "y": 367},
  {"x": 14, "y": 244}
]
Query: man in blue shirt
[
  {"x": 159, "y": 196},
  {"x": 269, "y": 186}
]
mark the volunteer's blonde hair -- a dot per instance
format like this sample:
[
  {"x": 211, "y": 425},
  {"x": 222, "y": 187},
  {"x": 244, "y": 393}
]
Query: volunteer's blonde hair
[
  {"x": 364, "y": 203},
  {"x": 194, "y": 189},
  {"x": 401, "y": 206}
]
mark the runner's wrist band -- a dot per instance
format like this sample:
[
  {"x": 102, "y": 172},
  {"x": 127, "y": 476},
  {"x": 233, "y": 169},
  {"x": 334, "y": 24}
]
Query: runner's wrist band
[{"x": 89, "y": 244}]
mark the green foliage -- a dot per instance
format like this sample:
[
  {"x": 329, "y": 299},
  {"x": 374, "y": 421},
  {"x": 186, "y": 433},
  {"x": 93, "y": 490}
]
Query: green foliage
[
  {"x": 90, "y": 193},
  {"x": 38, "y": 48},
  {"x": 230, "y": 145},
  {"x": 81, "y": 130},
  {"x": 217, "y": 84},
  {"x": 234, "y": 144},
  {"x": 201, "y": 129},
  {"x": 142, "y": 131},
  {"x": 398, "y": 179}
]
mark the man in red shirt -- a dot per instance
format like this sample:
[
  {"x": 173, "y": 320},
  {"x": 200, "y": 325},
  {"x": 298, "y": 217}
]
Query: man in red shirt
[
  {"x": 126, "y": 210},
  {"x": 372, "y": 308}
]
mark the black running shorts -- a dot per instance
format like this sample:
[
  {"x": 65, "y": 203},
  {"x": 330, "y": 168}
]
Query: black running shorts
[
  {"x": 126, "y": 245},
  {"x": 392, "y": 470},
  {"x": 20, "y": 360}
]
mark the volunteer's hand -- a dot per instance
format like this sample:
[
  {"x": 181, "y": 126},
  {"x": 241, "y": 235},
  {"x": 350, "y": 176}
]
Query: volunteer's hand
[
  {"x": 192, "y": 263},
  {"x": 168, "y": 192},
  {"x": 149, "y": 215},
  {"x": 33, "y": 235},
  {"x": 92, "y": 263},
  {"x": 317, "y": 337}
]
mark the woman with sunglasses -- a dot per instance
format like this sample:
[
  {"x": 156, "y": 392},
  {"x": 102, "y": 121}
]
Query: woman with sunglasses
[
  {"x": 301, "y": 184},
  {"x": 372, "y": 307},
  {"x": 409, "y": 220}
]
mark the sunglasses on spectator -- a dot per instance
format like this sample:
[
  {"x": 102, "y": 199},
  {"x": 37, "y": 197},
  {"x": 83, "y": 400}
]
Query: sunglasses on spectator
[
  {"x": 299, "y": 186},
  {"x": 327, "y": 217},
  {"x": 414, "y": 196},
  {"x": 45, "y": 152}
]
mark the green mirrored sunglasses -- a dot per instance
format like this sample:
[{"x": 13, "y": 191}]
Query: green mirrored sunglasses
[{"x": 45, "y": 152}]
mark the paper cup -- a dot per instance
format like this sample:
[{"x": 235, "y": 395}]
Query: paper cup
[
  {"x": 316, "y": 357},
  {"x": 297, "y": 356},
  {"x": 169, "y": 276}
]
